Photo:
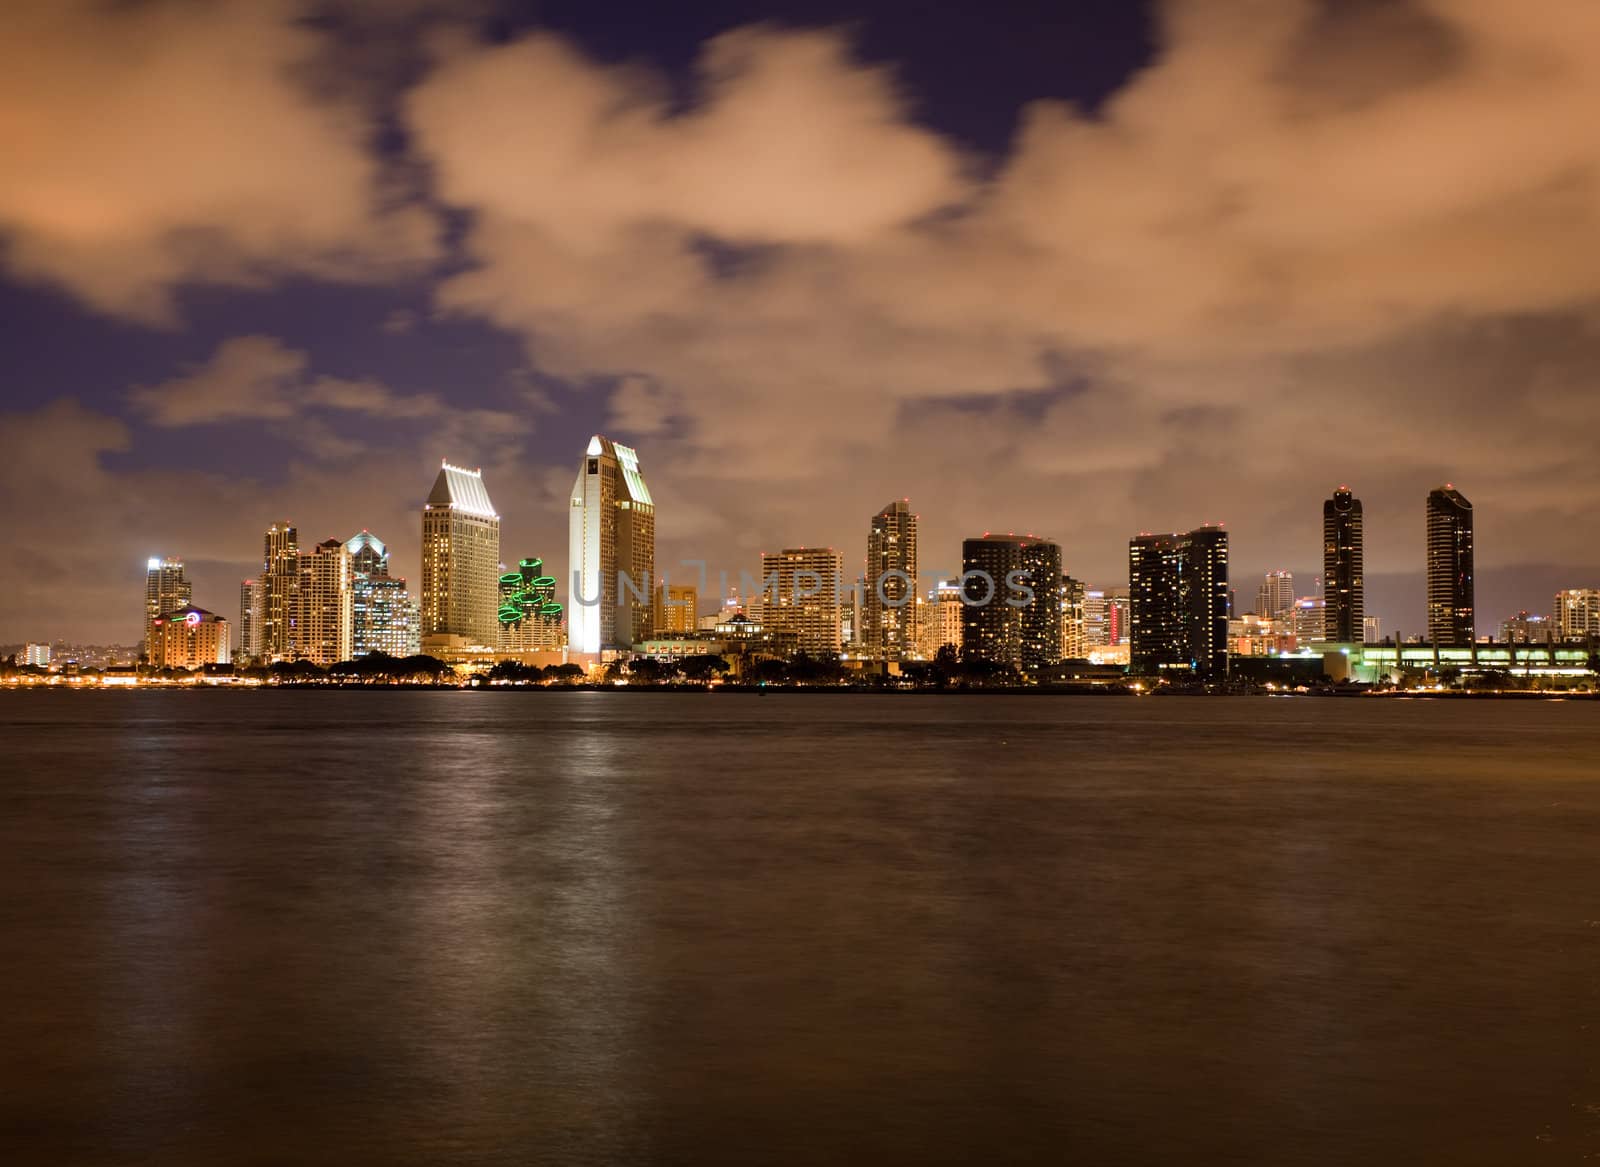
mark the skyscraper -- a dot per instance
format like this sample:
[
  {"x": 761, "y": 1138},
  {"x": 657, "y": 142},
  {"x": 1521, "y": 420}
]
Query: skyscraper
[
  {"x": 165, "y": 590},
  {"x": 383, "y": 615},
  {"x": 1041, "y": 615},
  {"x": 1275, "y": 597},
  {"x": 1074, "y": 621},
  {"x": 1309, "y": 621},
  {"x": 280, "y": 576},
  {"x": 611, "y": 532},
  {"x": 460, "y": 559},
  {"x": 529, "y": 616},
  {"x": 888, "y": 616},
  {"x": 1001, "y": 621},
  {"x": 321, "y": 611},
  {"x": 1179, "y": 592},
  {"x": 1450, "y": 582},
  {"x": 1119, "y": 616},
  {"x": 249, "y": 619},
  {"x": 674, "y": 609},
  {"x": 943, "y": 625},
  {"x": 1576, "y": 615},
  {"x": 803, "y": 588},
  {"x": 1342, "y": 557}
]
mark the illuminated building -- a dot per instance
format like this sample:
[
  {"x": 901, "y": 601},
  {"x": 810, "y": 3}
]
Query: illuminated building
[
  {"x": 674, "y": 607},
  {"x": 188, "y": 638},
  {"x": 250, "y": 592},
  {"x": 280, "y": 576},
  {"x": 888, "y": 616},
  {"x": 803, "y": 591},
  {"x": 1012, "y": 611},
  {"x": 1096, "y": 618},
  {"x": 1179, "y": 590},
  {"x": 321, "y": 611},
  {"x": 1119, "y": 618},
  {"x": 1371, "y": 630},
  {"x": 1549, "y": 662},
  {"x": 850, "y": 617},
  {"x": 1450, "y": 573},
  {"x": 940, "y": 626},
  {"x": 1342, "y": 567},
  {"x": 1041, "y": 615},
  {"x": 1275, "y": 595},
  {"x": 37, "y": 655},
  {"x": 1525, "y": 629},
  {"x": 1074, "y": 625},
  {"x": 529, "y": 617},
  {"x": 1576, "y": 615},
  {"x": 383, "y": 616},
  {"x": 611, "y": 533},
  {"x": 460, "y": 560},
  {"x": 1309, "y": 622},
  {"x": 1253, "y": 635},
  {"x": 165, "y": 589}
]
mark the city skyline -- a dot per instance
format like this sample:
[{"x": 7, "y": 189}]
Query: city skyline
[
  {"x": 167, "y": 585},
  {"x": 983, "y": 274}
]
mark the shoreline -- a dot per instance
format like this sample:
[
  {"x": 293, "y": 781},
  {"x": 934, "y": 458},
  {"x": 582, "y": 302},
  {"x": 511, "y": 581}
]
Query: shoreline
[{"x": 838, "y": 690}]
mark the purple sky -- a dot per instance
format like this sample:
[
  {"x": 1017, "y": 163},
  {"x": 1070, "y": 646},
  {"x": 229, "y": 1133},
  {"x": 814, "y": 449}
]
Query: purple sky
[{"x": 1079, "y": 269}]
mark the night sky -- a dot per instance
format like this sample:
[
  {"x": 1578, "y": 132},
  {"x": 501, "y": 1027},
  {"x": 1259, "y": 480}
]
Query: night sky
[{"x": 1080, "y": 269}]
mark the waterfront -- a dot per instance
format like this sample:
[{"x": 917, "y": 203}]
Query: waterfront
[{"x": 452, "y": 927}]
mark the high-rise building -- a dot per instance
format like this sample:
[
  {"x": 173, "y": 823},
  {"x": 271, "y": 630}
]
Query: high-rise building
[
  {"x": 1105, "y": 617},
  {"x": 942, "y": 628},
  {"x": 529, "y": 615},
  {"x": 460, "y": 559},
  {"x": 188, "y": 638},
  {"x": 1096, "y": 618},
  {"x": 1074, "y": 620},
  {"x": 37, "y": 655},
  {"x": 1119, "y": 616},
  {"x": 1275, "y": 596},
  {"x": 1012, "y": 608},
  {"x": 1179, "y": 591},
  {"x": 1310, "y": 620},
  {"x": 1576, "y": 614},
  {"x": 612, "y": 550},
  {"x": 674, "y": 610},
  {"x": 1041, "y": 615},
  {"x": 1525, "y": 629},
  {"x": 249, "y": 620},
  {"x": 321, "y": 610},
  {"x": 1450, "y": 574},
  {"x": 280, "y": 576},
  {"x": 383, "y": 614},
  {"x": 1342, "y": 567},
  {"x": 888, "y": 615},
  {"x": 165, "y": 589},
  {"x": 1371, "y": 630},
  {"x": 804, "y": 589}
]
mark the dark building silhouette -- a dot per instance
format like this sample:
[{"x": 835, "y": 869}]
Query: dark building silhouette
[
  {"x": 1344, "y": 588},
  {"x": 1450, "y": 607},
  {"x": 1178, "y": 591},
  {"x": 1002, "y": 623}
]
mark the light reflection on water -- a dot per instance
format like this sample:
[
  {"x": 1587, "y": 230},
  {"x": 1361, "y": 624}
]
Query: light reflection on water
[{"x": 525, "y": 927}]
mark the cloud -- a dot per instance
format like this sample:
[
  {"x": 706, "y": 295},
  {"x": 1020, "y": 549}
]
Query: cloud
[
  {"x": 260, "y": 378},
  {"x": 1253, "y": 272},
  {"x": 1305, "y": 243},
  {"x": 164, "y": 143}
]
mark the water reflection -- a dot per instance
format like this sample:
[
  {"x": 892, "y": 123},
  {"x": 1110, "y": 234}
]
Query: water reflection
[{"x": 503, "y": 928}]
